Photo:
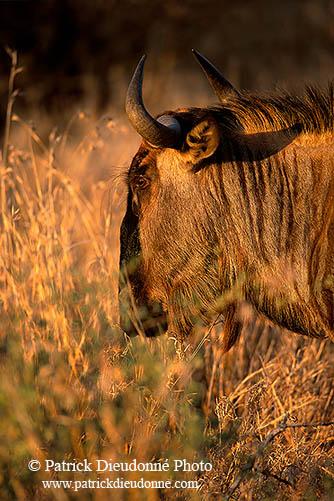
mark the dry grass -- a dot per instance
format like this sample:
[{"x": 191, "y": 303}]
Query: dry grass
[{"x": 72, "y": 386}]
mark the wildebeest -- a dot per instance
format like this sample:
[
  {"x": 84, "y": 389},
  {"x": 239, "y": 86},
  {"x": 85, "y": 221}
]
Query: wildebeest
[{"x": 228, "y": 204}]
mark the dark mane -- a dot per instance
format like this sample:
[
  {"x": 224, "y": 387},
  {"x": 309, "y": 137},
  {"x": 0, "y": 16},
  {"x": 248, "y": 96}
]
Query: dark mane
[{"x": 313, "y": 110}]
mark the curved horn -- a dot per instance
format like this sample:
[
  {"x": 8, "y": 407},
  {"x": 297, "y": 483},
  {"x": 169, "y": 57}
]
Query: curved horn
[
  {"x": 220, "y": 85},
  {"x": 166, "y": 131}
]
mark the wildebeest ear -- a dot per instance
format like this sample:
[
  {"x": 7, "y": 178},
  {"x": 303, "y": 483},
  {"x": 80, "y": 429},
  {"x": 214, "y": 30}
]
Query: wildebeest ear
[{"x": 202, "y": 140}]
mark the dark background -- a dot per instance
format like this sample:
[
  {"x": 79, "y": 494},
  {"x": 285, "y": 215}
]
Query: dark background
[{"x": 83, "y": 52}]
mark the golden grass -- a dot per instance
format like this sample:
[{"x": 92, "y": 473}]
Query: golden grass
[{"x": 72, "y": 386}]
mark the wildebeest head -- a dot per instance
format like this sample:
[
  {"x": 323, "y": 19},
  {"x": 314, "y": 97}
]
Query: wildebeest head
[
  {"x": 193, "y": 226},
  {"x": 162, "y": 253}
]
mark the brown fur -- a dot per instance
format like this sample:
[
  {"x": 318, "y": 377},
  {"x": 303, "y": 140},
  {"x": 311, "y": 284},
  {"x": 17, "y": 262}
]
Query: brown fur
[{"x": 243, "y": 211}]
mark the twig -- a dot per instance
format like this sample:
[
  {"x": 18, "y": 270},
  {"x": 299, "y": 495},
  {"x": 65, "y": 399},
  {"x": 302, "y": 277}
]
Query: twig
[
  {"x": 268, "y": 473},
  {"x": 251, "y": 462},
  {"x": 300, "y": 425}
]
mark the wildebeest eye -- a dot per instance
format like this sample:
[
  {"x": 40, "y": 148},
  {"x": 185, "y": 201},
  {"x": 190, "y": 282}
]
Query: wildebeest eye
[{"x": 141, "y": 182}]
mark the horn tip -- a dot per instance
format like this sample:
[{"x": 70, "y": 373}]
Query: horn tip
[
  {"x": 197, "y": 55},
  {"x": 141, "y": 63}
]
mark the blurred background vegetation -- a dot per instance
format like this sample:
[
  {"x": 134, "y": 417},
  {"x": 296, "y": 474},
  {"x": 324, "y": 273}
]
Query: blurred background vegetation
[{"x": 78, "y": 52}]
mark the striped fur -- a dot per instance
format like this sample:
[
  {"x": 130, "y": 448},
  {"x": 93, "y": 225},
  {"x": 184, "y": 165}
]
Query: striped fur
[{"x": 252, "y": 222}]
